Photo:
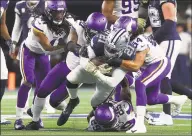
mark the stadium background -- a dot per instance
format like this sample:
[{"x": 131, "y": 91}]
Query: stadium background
[{"x": 80, "y": 8}]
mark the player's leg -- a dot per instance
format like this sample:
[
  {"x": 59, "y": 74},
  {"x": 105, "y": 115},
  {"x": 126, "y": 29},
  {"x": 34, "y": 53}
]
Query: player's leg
[
  {"x": 27, "y": 65},
  {"x": 74, "y": 78},
  {"x": 3, "y": 81}
]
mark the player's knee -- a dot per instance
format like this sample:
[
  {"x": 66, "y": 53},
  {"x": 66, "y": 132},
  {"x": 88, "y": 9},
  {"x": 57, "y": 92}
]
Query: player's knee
[
  {"x": 28, "y": 83},
  {"x": 151, "y": 101},
  {"x": 54, "y": 103},
  {"x": 71, "y": 85}
]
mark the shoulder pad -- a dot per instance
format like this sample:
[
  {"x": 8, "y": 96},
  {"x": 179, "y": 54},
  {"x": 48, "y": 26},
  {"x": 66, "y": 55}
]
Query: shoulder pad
[{"x": 38, "y": 25}]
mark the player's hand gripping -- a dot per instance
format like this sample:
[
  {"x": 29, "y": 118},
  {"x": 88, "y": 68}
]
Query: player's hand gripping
[{"x": 12, "y": 48}]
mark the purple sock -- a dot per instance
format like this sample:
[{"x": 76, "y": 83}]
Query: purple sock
[
  {"x": 117, "y": 93},
  {"x": 22, "y": 95},
  {"x": 140, "y": 89}
]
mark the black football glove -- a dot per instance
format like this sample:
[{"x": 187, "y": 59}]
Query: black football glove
[
  {"x": 83, "y": 52},
  {"x": 114, "y": 62}
]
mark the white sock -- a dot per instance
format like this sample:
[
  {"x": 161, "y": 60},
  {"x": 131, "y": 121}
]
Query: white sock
[
  {"x": 19, "y": 113},
  {"x": 47, "y": 102},
  {"x": 141, "y": 111},
  {"x": 173, "y": 99},
  {"x": 72, "y": 93},
  {"x": 38, "y": 106},
  {"x": 61, "y": 106}
]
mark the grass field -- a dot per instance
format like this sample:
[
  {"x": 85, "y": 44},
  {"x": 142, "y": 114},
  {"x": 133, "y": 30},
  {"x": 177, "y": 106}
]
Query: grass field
[{"x": 77, "y": 126}]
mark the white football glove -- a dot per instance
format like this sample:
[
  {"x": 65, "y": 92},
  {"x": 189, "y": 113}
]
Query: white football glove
[
  {"x": 105, "y": 68},
  {"x": 91, "y": 68}
]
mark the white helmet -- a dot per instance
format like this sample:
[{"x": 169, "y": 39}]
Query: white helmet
[{"x": 116, "y": 41}]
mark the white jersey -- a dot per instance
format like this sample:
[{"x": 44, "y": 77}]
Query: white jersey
[
  {"x": 72, "y": 60},
  {"x": 32, "y": 41},
  {"x": 126, "y": 8},
  {"x": 125, "y": 118},
  {"x": 143, "y": 42}
]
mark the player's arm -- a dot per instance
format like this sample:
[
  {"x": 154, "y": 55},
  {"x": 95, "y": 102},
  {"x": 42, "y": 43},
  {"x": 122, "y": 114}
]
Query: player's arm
[
  {"x": 107, "y": 10},
  {"x": 17, "y": 28},
  {"x": 5, "y": 34},
  {"x": 169, "y": 14}
]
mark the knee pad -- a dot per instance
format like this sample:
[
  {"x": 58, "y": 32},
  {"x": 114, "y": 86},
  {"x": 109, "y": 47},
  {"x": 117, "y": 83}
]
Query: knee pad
[{"x": 70, "y": 85}]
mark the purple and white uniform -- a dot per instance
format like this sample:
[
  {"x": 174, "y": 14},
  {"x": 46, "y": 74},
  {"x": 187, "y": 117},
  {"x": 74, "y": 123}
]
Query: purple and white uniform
[
  {"x": 4, "y": 70},
  {"x": 126, "y": 8},
  {"x": 156, "y": 66},
  {"x": 23, "y": 19},
  {"x": 125, "y": 118}
]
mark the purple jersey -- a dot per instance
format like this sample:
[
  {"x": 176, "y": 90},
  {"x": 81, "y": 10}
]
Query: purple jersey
[
  {"x": 27, "y": 16},
  {"x": 156, "y": 19},
  {"x": 3, "y": 6}
]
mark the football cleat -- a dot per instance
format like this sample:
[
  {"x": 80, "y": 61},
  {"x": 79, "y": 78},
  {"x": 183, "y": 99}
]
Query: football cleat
[
  {"x": 33, "y": 126},
  {"x": 29, "y": 112},
  {"x": 137, "y": 129},
  {"x": 18, "y": 125},
  {"x": 178, "y": 107},
  {"x": 66, "y": 113},
  {"x": 5, "y": 122},
  {"x": 163, "y": 120}
]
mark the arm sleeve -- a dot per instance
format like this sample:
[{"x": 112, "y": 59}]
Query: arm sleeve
[
  {"x": 17, "y": 29},
  {"x": 117, "y": 76}
]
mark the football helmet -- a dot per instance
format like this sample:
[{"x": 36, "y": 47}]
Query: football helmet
[
  {"x": 31, "y": 4},
  {"x": 96, "y": 22},
  {"x": 127, "y": 23},
  {"x": 55, "y": 10},
  {"x": 105, "y": 115},
  {"x": 116, "y": 42}
]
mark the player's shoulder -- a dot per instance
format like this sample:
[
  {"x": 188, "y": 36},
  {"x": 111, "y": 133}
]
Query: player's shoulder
[
  {"x": 20, "y": 4},
  {"x": 38, "y": 24}
]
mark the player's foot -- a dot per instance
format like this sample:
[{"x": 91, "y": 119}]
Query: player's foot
[
  {"x": 148, "y": 116},
  {"x": 5, "y": 122},
  {"x": 18, "y": 125},
  {"x": 29, "y": 112},
  {"x": 66, "y": 113},
  {"x": 33, "y": 126},
  {"x": 178, "y": 106},
  {"x": 163, "y": 120},
  {"x": 137, "y": 129}
]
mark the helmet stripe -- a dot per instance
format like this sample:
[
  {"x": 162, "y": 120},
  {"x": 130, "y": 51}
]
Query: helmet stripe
[{"x": 118, "y": 35}]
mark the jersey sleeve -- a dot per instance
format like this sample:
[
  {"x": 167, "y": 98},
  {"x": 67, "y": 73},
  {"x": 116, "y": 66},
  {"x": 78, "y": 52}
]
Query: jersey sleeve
[
  {"x": 38, "y": 25},
  {"x": 97, "y": 44},
  {"x": 94, "y": 126},
  {"x": 18, "y": 8},
  {"x": 167, "y": 1}
]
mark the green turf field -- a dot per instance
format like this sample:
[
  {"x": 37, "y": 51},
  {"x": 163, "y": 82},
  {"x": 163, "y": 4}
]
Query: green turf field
[{"x": 76, "y": 126}]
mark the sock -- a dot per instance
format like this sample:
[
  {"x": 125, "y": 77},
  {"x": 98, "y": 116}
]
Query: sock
[
  {"x": 141, "y": 111},
  {"x": 38, "y": 106},
  {"x": 61, "y": 106},
  {"x": 19, "y": 113},
  {"x": 72, "y": 93},
  {"x": 173, "y": 99},
  {"x": 117, "y": 93},
  {"x": 3, "y": 84},
  {"x": 166, "y": 89},
  {"x": 181, "y": 89},
  {"x": 22, "y": 95}
]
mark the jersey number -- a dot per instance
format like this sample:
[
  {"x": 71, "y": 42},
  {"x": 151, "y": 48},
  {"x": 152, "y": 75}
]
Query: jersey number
[
  {"x": 127, "y": 5},
  {"x": 154, "y": 17}
]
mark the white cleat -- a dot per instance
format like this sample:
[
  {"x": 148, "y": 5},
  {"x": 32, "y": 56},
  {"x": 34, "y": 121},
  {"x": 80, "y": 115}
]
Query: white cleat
[
  {"x": 178, "y": 107},
  {"x": 148, "y": 117},
  {"x": 163, "y": 120},
  {"x": 137, "y": 129}
]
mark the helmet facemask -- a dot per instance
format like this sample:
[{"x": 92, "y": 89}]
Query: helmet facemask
[{"x": 32, "y": 4}]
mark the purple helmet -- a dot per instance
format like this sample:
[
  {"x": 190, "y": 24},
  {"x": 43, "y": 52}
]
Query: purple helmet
[
  {"x": 96, "y": 22},
  {"x": 31, "y": 4},
  {"x": 127, "y": 23},
  {"x": 55, "y": 10},
  {"x": 105, "y": 115}
]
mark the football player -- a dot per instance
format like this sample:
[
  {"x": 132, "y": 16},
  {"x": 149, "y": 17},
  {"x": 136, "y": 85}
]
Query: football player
[
  {"x": 155, "y": 65},
  {"x": 5, "y": 35},
  {"x": 163, "y": 18},
  {"x": 113, "y": 10},
  {"x": 47, "y": 36},
  {"x": 56, "y": 79}
]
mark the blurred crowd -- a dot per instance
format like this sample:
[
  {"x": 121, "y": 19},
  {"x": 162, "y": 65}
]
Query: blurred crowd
[{"x": 182, "y": 69}]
